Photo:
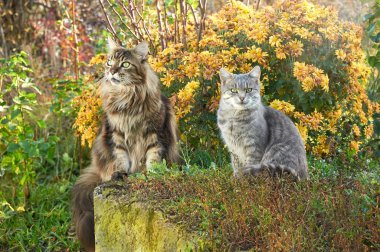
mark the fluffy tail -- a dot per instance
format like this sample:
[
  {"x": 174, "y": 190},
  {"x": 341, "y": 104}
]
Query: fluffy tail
[{"x": 83, "y": 207}]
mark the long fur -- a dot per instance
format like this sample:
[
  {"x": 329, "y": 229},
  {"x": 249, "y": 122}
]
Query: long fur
[
  {"x": 83, "y": 209},
  {"x": 138, "y": 129}
]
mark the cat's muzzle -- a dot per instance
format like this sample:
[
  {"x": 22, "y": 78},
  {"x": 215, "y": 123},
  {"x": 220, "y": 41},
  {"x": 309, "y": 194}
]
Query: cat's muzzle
[{"x": 116, "y": 81}]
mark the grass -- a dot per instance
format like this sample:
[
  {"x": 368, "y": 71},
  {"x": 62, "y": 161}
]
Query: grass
[
  {"x": 44, "y": 225},
  {"x": 336, "y": 210},
  {"x": 328, "y": 214}
]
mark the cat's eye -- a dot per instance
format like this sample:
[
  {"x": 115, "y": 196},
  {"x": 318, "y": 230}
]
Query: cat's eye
[
  {"x": 234, "y": 90},
  {"x": 109, "y": 63},
  {"x": 125, "y": 64},
  {"x": 248, "y": 90}
]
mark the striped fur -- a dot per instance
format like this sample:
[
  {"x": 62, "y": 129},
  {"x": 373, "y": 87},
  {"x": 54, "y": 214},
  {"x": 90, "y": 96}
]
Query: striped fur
[
  {"x": 258, "y": 137},
  {"x": 138, "y": 129}
]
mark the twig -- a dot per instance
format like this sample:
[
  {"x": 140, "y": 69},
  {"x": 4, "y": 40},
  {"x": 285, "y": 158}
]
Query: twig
[
  {"x": 257, "y": 5},
  {"x": 144, "y": 26},
  {"x": 130, "y": 13},
  {"x": 112, "y": 30},
  {"x": 167, "y": 32},
  {"x": 75, "y": 41},
  {"x": 183, "y": 9},
  {"x": 5, "y": 49},
  {"x": 135, "y": 23},
  {"x": 194, "y": 16},
  {"x": 177, "y": 38},
  {"x": 159, "y": 19},
  {"x": 121, "y": 19},
  {"x": 202, "y": 7}
]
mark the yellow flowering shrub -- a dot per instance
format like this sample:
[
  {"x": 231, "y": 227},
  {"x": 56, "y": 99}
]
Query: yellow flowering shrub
[
  {"x": 88, "y": 118},
  {"x": 313, "y": 69}
]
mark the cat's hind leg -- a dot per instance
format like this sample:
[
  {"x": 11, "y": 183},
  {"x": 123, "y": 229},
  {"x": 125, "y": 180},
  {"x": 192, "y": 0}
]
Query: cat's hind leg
[{"x": 279, "y": 169}]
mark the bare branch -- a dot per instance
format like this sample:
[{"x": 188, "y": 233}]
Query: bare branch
[
  {"x": 121, "y": 19},
  {"x": 159, "y": 19},
  {"x": 257, "y": 5},
  {"x": 194, "y": 15},
  {"x": 177, "y": 38},
  {"x": 167, "y": 32},
  {"x": 202, "y": 23},
  {"x": 112, "y": 30},
  {"x": 75, "y": 41},
  {"x": 144, "y": 26},
  {"x": 183, "y": 9}
]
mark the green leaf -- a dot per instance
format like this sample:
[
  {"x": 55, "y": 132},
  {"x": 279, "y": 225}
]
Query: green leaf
[
  {"x": 368, "y": 17},
  {"x": 372, "y": 60},
  {"x": 12, "y": 147},
  {"x": 4, "y": 121},
  {"x": 371, "y": 28},
  {"x": 23, "y": 179},
  {"x": 15, "y": 113},
  {"x": 25, "y": 145},
  {"x": 41, "y": 124},
  {"x": 66, "y": 157}
]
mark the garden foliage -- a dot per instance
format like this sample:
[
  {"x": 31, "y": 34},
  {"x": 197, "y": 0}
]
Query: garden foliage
[
  {"x": 313, "y": 69},
  {"x": 23, "y": 149}
]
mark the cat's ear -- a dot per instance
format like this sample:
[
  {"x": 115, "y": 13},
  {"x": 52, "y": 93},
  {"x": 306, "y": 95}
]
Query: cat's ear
[
  {"x": 111, "y": 44},
  {"x": 224, "y": 75},
  {"x": 255, "y": 72},
  {"x": 142, "y": 50}
]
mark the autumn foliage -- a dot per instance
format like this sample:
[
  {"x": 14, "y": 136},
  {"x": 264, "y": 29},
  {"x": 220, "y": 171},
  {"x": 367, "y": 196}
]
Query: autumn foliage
[{"x": 313, "y": 69}]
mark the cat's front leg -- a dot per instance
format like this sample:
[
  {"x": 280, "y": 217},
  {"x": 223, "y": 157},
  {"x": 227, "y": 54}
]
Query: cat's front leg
[
  {"x": 122, "y": 161},
  {"x": 154, "y": 152},
  {"x": 120, "y": 152},
  {"x": 236, "y": 165}
]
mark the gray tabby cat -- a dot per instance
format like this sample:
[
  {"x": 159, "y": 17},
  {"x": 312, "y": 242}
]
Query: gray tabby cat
[
  {"x": 258, "y": 137},
  {"x": 138, "y": 129}
]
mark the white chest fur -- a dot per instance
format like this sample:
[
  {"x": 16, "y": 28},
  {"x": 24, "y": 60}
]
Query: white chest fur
[{"x": 232, "y": 138}]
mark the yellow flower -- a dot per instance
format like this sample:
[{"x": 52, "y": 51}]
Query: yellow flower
[
  {"x": 256, "y": 55},
  {"x": 283, "y": 106},
  {"x": 186, "y": 94},
  {"x": 368, "y": 131},
  {"x": 323, "y": 147},
  {"x": 169, "y": 50},
  {"x": 312, "y": 121},
  {"x": 340, "y": 54},
  {"x": 310, "y": 77},
  {"x": 157, "y": 65},
  {"x": 303, "y": 132},
  {"x": 303, "y": 32},
  {"x": 185, "y": 98},
  {"x": 98, "y": 59},
  {"x": 167, "y": 80},
  {"x": 355, "y": 145},
  {"x": 295, "y": 47},
  {"x": 356, "y": 130},
  {"x": 307, "y": 84},
  {"x": 280, "y": 53},
  {"x": 275, "y": 41},
  {"x": 88, "y": 117}
]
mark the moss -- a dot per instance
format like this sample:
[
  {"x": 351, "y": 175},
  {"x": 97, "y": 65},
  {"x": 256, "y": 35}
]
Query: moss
[
  {"x": 162, "y": 212},
  {"x": 125, "y": 225}
]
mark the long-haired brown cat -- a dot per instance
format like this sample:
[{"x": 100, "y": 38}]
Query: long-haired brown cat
[{"x": 138, "y": 129}]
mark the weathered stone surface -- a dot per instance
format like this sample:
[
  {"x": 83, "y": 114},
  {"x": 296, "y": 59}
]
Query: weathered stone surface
[{"x": 123, "y": 223}]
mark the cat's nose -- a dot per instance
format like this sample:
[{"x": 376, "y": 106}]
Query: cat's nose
[
  {"x": 113, "y": 70},
  {"x": 241, "y": 98}
]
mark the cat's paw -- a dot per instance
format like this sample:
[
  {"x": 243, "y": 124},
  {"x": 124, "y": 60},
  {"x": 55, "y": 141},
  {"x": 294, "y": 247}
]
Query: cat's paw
[
  {"x": 119, "y": 176},
  {"x": 253, "y": 170}
]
